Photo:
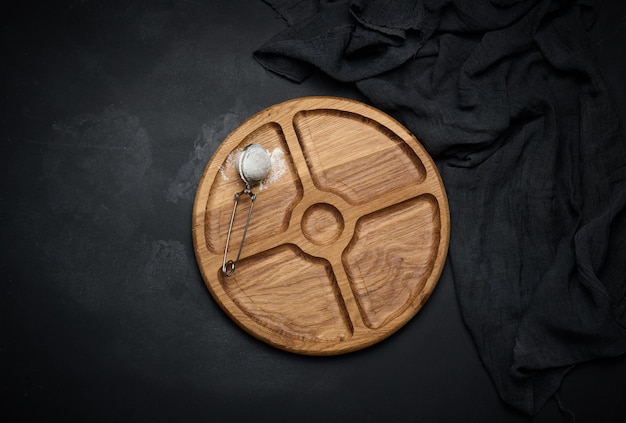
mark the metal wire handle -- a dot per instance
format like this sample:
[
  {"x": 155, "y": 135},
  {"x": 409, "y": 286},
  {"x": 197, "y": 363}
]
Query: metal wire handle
[{"x": 228, "y": 267}]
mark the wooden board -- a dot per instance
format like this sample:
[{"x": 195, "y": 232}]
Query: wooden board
[{"x": 349, "y": 231}]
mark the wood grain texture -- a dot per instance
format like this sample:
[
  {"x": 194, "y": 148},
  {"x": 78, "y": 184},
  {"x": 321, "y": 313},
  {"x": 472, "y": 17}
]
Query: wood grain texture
[{"x": 349, "y": 231}]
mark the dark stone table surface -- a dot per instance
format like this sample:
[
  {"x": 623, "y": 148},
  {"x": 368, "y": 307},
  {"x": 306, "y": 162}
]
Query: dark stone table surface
[{"x": 110, "y": 111}]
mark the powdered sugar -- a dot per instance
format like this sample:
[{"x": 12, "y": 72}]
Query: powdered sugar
[
  {"x": 278, "y": 169},
  {"x": 229, "y": 168}
]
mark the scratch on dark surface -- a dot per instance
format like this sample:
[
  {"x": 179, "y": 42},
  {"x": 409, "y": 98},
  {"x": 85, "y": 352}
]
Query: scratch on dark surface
[
  {"x": 212, "y": 134},
  {"x": 71, "y": 145},
  {"x": 124, "y": 150}
]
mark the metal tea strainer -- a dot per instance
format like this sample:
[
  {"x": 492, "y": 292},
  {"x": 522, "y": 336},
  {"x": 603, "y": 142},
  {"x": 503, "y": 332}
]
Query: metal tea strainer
[{"x": 253, "y": 165}]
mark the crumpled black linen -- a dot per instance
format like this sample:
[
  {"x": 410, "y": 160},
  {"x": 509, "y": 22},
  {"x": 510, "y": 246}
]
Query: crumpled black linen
[{"x": 506, "y": 97}]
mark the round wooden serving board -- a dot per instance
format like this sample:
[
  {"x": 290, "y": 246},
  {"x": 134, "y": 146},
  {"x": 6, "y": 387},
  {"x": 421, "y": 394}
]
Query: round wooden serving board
[{"x": 349, "y": 231}]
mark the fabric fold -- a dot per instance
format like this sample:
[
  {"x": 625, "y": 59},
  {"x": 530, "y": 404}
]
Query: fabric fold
[{"x": 507, "y": 98}]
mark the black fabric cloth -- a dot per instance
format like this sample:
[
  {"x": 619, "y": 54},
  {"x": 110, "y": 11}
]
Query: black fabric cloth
[{"x": 506, "y": 97}]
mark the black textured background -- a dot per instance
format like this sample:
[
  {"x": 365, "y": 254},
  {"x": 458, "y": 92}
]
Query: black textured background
[{"x": 110, "y": 111}]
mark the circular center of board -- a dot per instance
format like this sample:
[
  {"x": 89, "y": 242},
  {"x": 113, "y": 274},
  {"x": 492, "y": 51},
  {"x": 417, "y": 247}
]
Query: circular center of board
[{"x": 349, "y": 233}]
